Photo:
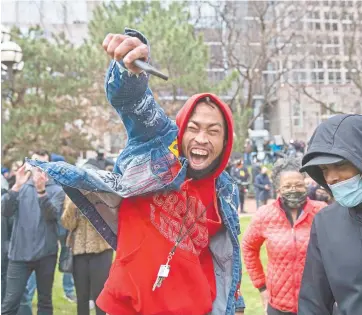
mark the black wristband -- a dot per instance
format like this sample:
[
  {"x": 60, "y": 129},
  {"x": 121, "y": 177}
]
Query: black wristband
[
  {"x": 41, "y": 192},
  {"x": 262, "y": 289}
]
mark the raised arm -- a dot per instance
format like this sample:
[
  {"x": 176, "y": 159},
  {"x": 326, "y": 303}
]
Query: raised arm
[
  {"x": 127, "y": 88},
  {"x": 10, "y": 201}
]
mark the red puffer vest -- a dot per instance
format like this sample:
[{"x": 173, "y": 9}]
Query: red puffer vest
[{"x": 286, "y": 248}]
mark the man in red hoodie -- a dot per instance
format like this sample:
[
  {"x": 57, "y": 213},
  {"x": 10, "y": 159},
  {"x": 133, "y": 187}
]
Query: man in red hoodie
[
  {"x": 176, "y": 228},
  {"x": 166, "y": 262},
  {"x": 167, "y": 265}
]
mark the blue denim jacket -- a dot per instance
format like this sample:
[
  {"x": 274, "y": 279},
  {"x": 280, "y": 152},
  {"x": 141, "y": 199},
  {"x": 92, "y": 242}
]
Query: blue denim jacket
[{"x": 144, "y": 166}]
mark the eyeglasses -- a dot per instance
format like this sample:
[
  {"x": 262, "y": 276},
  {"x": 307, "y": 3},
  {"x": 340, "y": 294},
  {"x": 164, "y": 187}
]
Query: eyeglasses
[{"x": 291, "y": 187}]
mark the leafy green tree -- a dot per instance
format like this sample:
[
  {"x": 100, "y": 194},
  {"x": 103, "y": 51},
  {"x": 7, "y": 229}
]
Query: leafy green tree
[
  {"x": 175, "y": 49},
  {"x": 40, "y": 108},
  {"x": 58, "y": 99}
]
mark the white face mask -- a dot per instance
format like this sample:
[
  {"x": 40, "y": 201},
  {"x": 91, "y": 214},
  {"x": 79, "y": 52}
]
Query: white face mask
[{"x": 349, "y": 192}]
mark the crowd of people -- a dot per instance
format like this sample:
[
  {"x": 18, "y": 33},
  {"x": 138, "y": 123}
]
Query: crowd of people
[
  {"x": 258, "y": 185},
  {"x": 170, "y": 213},
  {"x": 37, "y": 218},
  {"x": 271, "y": 150}
]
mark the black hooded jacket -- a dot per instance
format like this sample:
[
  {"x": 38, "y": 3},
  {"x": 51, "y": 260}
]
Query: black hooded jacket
[{"x": 333, "y": 269}]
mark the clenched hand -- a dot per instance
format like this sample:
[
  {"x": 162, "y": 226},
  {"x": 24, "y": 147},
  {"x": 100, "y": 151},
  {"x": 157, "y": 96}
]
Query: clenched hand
[{"x": 126, "y": 48}]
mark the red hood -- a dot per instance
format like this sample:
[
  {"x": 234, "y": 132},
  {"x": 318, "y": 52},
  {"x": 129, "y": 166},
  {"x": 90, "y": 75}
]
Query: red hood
[{"x": 184, "y": 115}]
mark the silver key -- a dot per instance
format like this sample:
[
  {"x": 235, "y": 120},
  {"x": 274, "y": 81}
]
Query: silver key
[
  {"x": 162, "y": 274},
  {"x": 157, "y": 283}
]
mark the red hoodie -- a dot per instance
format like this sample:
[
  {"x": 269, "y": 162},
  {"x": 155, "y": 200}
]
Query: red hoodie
[{"x": 148, "y": 227}]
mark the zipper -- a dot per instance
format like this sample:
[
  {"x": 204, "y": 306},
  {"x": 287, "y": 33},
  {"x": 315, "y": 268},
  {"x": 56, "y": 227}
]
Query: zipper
[
  {"x": 301, "y": 218},
  {"x": 295, "y": 259}
]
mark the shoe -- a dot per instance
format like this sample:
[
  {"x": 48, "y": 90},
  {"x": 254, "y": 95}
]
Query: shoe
[
  {"x": 71, "y": 297},
  {"x": 91, "y": 305}
]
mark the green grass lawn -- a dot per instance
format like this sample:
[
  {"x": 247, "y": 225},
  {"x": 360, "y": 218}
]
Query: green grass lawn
[{"x": 251, "y": 295}]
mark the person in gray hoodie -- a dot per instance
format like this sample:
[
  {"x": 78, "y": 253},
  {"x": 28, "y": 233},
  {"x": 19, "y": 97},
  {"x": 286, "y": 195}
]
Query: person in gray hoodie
[
  {"x": 333, "y": 269},
  {"x": 36, "y": 203}
]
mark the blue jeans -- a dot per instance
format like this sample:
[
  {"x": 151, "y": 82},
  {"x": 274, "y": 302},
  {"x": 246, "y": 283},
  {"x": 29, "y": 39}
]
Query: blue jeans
[
  {"x": 17, "y": 277},
  {"x": 247, "y": 159},
  {"x": 4, "y": 270},
  {"x": 68, "y": 284},
  {"x": 27, "y": 298}
]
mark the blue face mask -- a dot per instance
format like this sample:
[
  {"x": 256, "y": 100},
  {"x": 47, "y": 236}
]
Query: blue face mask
[{"x": 349, "y": 192}]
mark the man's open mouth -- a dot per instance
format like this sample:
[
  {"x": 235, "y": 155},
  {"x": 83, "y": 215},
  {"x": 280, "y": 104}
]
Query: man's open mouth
[{"x": 198, "y": 156}]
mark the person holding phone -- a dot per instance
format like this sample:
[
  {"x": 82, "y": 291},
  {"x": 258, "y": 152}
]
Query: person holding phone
[{"x": 36, "y": 203}]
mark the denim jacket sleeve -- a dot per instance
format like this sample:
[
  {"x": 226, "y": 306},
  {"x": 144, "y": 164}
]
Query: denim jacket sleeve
[
  {"x": 129, "y": 94},
  {"x": 133, "y": 100},
  {"x": 240, "y": 303}
]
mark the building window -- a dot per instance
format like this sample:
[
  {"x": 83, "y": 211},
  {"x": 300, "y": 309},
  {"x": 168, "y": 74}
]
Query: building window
[
  {"x": 331, "y": 26},
  {"x": 216, "y": 55},
  {"x": 297, "y": 115},
  {"x": 332, "y": 46},
  {"x": 348, "y": 27},
  {"x": 270, "y": 74},
  {"x": 331, "y": 21},
  {"x": 334, "y": 72},
  {"x": 328, "y": 110},
  {"x": 348, "y": 43},
  {"x": 317, "y": 72},
  {"x": 300, "y": 77},
  {"x": 348, "y": 4},
  {"x": 216, "y": 75},
  {"x": 347, "y": 22},
  {"x": 350, "y": 71},
  {"x": 313, "y": 21},
  {"x": 317, "y": 77}
]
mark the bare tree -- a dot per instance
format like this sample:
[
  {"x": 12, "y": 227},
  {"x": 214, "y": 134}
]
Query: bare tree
[
  {"x": 336, "y": 55},
  {"x": 256, "y": 39},
  {"x": 353, "y": 47}
]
